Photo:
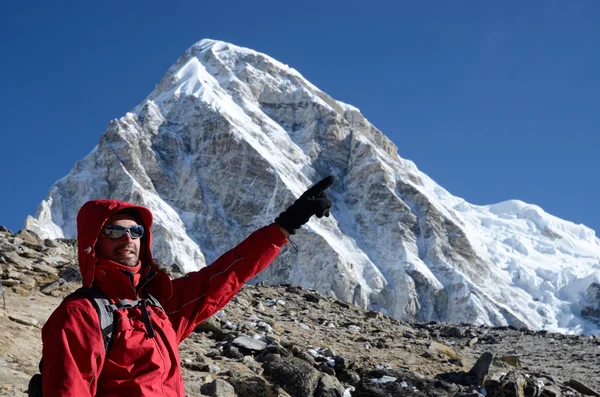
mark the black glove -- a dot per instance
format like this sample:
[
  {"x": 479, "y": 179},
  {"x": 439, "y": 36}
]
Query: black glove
[{"x": 314, "y": 201}]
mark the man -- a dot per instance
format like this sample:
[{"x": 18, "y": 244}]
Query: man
[{"x": 115, "y": 257}]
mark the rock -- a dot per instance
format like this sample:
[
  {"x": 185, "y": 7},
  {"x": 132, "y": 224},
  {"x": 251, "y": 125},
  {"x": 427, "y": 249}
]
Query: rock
[
  {"x": 234, "y": 353},
  {"x": 218, "y": 388},
  {"x": 56, "y": 260},
  {"x": 481, "y": 368},
  {"x": 276, "y": 349},
  {"x": 255, "y": 386},
  {"x": 341, "y": 362},
  {"x": 50, "y": 243},
  {"x": 550, "y": 391},
  {"x": 329, "y": 387},
  {"x": 348, "y": 376},
  {"x": 17, "y": 260},
  {"x": 212, "y": 325},
  {"x": 324, "y": 367},
  {"x": 5, "y": 229},
  {"x": 512, "y": 360},
  {"x": 400, "y": 383},
  {"x": 242, "y": 302},
  {"x": 29, "y": 236},
  {"x": 592, "y": 302},
  {"x": 580, "y": 387},
  {"x": 473, "y": 342},
  {"x": 27, "y": 281},
  {"x": 27, "y": 252},
  {"x": 452, "y": 332},
  {"x": 42, "y": 268},
  {"x": 211, "y": 368},
  {"x": 249, "y": 343},
  {"x": 32, "y": 322},
  {"x": 295, "y": 376},
  {"x": 511, "y": 384},
  {"x": 329, "y": 352},
  {"x": 36, "y": 249},
  {"x": 10, "y": 282},
  {"x": 17, "y": 289},
  {"x": 305, "y": 356},
  {"x": 53, "y": 286},
  {"x": 439, "y": 348},
  {"x": 71, "y": 274}
]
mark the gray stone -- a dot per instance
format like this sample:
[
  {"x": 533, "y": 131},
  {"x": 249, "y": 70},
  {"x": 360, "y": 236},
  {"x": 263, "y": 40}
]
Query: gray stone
[
  {"x": 275, "y": 349},
  {"x": 10, "y": 282},
  {"x": 5, "y": 229},
  {"x": 255, "y": 386},
  {"x": 329, "y": 386},
  {"x": 55, "y": 260},
  {"x": 53, "y": 286},
  {"x": 511, "y": 384},
  {"x": 242, "y": 302},
  {"x": 234, "y": 353},
  {"x": 580, "y": 387},
  {"x": 211, "y": 324},
  {"x": 218, "y": 388},
  {"x": 17, "y": 260},
  {"x": 32, "y": 322},
  {"x": 295, "y": 376},
  {"x": 481, "y": 368},
  {"x": 550, "y": 391},
  {"x": 453, "y": 332},
  {"x": 42, "y": 268},
  {"x": 71, "y": 274},
  {"x": 329, "y": 352},
  {"x": 246, "y": 342},
  {"x": 13, "y": 273},
  {"x": 27, "y": 281},
  {"x": 29, "y": 236},
  {"x": 37, "y": 248},
  {"x": 212, "y": 368},
  {"x": 50, "y": 243}
]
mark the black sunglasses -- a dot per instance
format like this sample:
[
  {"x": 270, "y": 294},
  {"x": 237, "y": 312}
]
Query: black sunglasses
[{"x": 114, "y": 231}]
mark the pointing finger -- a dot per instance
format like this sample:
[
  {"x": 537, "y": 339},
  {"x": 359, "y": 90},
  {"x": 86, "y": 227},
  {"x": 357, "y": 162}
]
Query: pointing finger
[{"x": 320, "y": 186}]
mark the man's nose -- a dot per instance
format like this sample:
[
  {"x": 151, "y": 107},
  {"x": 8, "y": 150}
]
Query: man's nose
[{"x": 127, "y": 236}]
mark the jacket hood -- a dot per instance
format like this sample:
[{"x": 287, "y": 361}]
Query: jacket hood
[{"x": 91, "y": 219}]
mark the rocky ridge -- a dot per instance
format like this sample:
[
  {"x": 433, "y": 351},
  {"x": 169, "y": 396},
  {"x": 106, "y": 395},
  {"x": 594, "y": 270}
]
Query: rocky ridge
[{"x": 290, "y": 341}]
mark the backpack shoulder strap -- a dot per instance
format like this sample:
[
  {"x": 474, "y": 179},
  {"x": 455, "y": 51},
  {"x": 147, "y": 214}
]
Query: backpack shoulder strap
[
  {"x": 103, "y": 307},
  {"x": 154, "y": 302}
]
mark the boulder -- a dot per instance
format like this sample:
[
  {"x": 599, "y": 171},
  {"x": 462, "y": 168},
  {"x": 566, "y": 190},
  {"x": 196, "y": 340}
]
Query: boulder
[
  {"x": 218, "y": 388},
  {"x": 295, "y": 376},
  {"x": 29, "y": 236}
]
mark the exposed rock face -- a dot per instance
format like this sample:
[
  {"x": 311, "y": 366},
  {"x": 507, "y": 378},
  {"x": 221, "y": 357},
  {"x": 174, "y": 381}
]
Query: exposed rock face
[
  {"x": 592, "y": 309},
  {"x": 230, "y": 137}
]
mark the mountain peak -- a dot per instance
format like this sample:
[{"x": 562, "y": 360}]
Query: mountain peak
[{"x": 230, "y": 137}]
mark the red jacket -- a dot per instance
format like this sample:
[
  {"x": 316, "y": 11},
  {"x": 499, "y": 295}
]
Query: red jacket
[{"x": 75, "y": 363}]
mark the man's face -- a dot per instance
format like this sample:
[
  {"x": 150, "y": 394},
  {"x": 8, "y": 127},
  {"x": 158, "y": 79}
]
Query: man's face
[{"x": 124, "y": 250}]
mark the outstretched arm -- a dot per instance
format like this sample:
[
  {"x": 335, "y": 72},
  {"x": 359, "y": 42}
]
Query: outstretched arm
[{"x": 201, "y": 294}]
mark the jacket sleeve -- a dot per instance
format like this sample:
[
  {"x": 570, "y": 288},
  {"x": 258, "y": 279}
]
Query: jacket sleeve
[
  {"x": 73, "y": 350},
  {"x": 201, "y": 294}
]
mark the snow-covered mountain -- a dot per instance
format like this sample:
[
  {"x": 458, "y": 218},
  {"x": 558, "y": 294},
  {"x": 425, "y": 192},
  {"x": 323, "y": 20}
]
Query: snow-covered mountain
[{"x": 230, "y": 137}]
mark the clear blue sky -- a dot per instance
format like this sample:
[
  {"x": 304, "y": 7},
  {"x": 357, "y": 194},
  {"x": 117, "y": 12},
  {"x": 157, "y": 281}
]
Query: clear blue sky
[{"x": 494, "y": 100}]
